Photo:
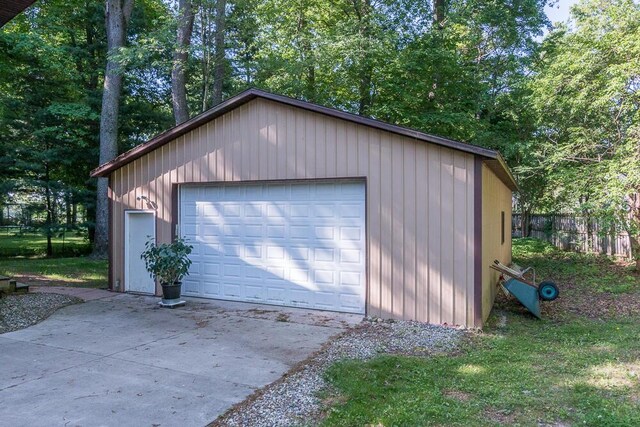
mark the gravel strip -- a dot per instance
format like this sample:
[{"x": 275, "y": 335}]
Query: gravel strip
[
  {"x": 19, "y": 311},
  {"x": 292, "y": 401}
]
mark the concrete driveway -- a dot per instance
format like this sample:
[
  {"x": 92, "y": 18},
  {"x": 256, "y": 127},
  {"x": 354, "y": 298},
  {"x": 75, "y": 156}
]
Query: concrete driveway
[{"x": 122, "y": 360}]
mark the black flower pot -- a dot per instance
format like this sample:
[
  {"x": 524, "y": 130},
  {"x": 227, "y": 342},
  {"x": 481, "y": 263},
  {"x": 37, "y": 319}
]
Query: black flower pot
[{"x": 172, "y": 291}]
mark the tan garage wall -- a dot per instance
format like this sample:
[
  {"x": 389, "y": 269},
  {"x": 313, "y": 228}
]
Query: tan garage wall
[
  {"x": 496, "y": 199},
  {"x": 419, "y": 197}
]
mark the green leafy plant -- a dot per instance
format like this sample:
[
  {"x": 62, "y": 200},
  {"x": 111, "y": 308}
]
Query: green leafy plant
[{"x": 168, "y": 262}]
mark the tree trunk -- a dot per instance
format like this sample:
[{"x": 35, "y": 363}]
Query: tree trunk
[
  {"x": 438, "y": 11},
  {"x": 67, "y": 207},
  {"x": 218, "y": 68},
  {"x": 634, "y": 228},
  {"x": 49, "y": 223},
  {"x": 309, "y": 91},
  {"x": 180, "y": 56},
  {"x": 525, "y": 225},
  {"x": 363, "y": 11},
  {"x": 74, "y": 212},
  {"x": 634, "y": 241},
  {"x": 117, "y": 17},
  {"x": 205, "y": 63}
]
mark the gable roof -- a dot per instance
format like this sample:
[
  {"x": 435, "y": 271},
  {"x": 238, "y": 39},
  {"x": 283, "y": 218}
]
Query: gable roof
[
  {"x": 492, "y": 158},
  {"x": 10, "y": 8}
]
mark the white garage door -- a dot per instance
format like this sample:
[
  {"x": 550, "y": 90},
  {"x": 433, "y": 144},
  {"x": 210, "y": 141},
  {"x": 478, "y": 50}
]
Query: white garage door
[{"x": 300, "y": 244}]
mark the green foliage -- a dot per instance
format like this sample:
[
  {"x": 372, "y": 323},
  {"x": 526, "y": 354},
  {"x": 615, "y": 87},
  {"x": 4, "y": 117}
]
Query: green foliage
[
  {"x": 167, "y": 262},
  {"x": 563, "y": 109},
  {"x": 585, "y": 97},
  {"x": 51, "y": 70}
]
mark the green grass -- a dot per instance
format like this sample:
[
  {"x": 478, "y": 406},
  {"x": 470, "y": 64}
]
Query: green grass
[
  {"x": 35, "y": 244},
  {"x": 78, "y": 271},
  {"x": 570, "y": 369}
]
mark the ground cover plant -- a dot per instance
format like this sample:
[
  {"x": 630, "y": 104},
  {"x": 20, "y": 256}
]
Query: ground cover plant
[{"x": 578, "y": 366}]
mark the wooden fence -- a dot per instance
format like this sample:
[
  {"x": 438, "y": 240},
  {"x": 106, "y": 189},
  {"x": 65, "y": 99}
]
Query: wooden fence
[{"x": 573, "y": 233}]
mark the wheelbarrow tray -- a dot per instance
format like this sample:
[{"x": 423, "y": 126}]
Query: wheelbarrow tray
[{"x": 526, "y": 294}]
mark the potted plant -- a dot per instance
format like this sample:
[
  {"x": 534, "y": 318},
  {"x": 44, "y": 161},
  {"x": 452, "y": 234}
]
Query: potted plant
[{"x": 168, "y": 263}]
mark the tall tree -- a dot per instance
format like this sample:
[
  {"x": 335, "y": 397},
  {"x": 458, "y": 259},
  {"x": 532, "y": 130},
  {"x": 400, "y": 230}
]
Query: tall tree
[
  {"x": 178, "y": 79},
  {"x": 586, "y": 97},
  {"x": 117, "y": 15},
  {"x": 219, "y": 64}
]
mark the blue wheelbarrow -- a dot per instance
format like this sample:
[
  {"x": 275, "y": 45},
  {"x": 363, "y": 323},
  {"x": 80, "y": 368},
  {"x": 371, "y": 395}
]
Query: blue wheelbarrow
[{"x": 526, "y": 291}]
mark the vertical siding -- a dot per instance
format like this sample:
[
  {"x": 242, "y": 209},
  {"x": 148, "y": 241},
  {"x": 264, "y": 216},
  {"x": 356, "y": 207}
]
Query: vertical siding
[
  {"x": 419, "y": 197},
  {"x": 496, "y": 198}
]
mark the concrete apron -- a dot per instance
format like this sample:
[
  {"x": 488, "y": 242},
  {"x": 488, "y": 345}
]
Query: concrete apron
[
  {"x": 122, "y": 360},
  {"x": 86, "y": 294}
]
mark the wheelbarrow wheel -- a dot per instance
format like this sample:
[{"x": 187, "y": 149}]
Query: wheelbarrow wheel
[{"x": 548, "y": 291}]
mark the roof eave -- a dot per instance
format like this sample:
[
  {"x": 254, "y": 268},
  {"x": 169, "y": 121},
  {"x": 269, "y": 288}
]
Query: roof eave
[
  {"x": 128, "y": 156},
  {"x": 250, "y": 94},
  {"x": 9, "y": 10}
]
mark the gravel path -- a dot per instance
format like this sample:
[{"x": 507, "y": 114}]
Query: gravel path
[
  {"x": 19, "y": 311},
  {"x": 292, "y": 400}
]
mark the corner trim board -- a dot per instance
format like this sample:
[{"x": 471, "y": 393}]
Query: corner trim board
[
  {"x": 110, "y": 281},
  {"x": 477, "y": 243}
]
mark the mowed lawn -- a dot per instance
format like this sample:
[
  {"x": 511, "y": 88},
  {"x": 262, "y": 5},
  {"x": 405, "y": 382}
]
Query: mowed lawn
[
  {"x": 578, "y": 366},
  {"x": 32, "y": 244},
  {"x": 22, "y": 257},
  {"x": 78, "y": 271}
]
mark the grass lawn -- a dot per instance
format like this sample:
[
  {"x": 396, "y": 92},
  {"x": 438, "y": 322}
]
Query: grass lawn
[
  {"x": 578, "y": 366},
  {"x": 35, "y": 244},
  {"x": 78, "y": 271}
]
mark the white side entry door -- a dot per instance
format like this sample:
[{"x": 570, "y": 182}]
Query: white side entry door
[{"x": 139, "y": 227}]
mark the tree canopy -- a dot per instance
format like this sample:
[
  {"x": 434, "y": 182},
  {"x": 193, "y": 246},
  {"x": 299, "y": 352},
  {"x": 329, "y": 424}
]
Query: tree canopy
[{"x": 560, "y": 103}]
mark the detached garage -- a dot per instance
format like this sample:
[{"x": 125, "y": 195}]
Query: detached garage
[{"x": 294, "y": 204}]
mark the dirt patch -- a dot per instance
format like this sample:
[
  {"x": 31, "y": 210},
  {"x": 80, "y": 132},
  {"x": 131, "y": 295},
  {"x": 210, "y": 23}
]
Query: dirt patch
[
  {"x": 202, "y": 323},
  {"x": 502, "y": 417},
  {"x": 457, "y": 395},
  {"x": 282, "y": 317},
  {"x": 259, "y": 311}
]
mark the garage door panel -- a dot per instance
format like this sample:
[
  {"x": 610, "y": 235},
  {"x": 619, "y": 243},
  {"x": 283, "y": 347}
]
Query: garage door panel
[
  {"x": 190, "y": 211},
  {"x": 299, "y": 253},
  {"x": 299, "y": 210},
  {"x": 253, "y": 210},
  {"x": 348, "y": 210},
  {"x": 232, "y": 251},
  {"x": 210, "y": 289},
  {"x": 301, "y": 297},
  {"x": 324, "y": 277},
  {"x": 324, "y": 254},
  {"x": 350, "y": 279},
  {"x": 255, "y": 273},
  {"x": 296, "y": 244},
  {"x": 276, "y": 295},
  {"x": 349, "y": 302},
  {"x": 209, "y": 210},
  {"x": 276, "y": 231},
  {"x": 351, "y": 233},
  {"x": 211, "y": 268},
  {"x": 350, "y": 256}
]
